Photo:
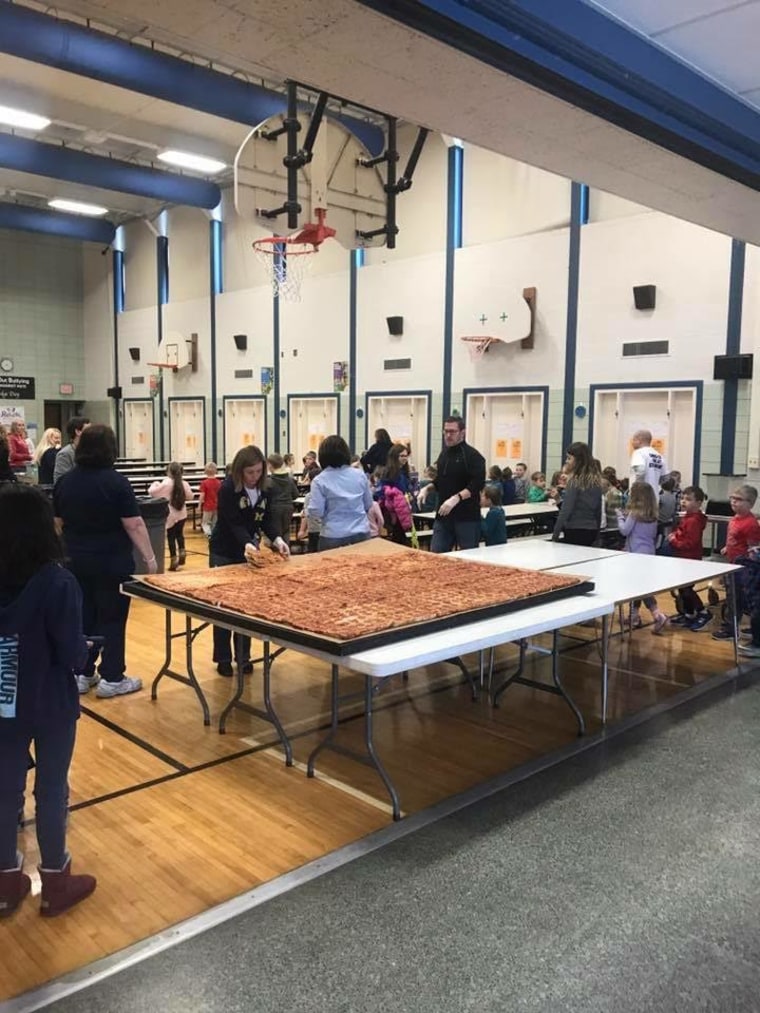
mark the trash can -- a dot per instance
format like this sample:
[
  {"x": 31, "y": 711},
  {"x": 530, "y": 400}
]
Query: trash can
[{"x": 154, "y": 512}]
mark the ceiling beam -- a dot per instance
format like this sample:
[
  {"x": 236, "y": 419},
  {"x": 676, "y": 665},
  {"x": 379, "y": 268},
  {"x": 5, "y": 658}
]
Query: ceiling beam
[
  {"x": 42, "y": 159},
  {"x": 56, "y": 223}
]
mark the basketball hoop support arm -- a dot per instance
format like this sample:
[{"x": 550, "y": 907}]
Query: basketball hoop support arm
[
  {"x": 393, "y": 186},
  {"x": 296, "y": 157}
]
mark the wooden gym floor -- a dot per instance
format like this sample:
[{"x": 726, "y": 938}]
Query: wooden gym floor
[{"x": 173, "y": 818}]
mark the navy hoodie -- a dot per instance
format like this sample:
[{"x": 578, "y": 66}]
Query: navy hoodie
[{"x": 41, "y": 647}]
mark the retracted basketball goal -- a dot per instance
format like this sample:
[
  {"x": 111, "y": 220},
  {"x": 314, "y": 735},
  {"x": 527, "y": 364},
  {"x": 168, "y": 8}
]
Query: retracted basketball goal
[{"x": 478, "y": 345}]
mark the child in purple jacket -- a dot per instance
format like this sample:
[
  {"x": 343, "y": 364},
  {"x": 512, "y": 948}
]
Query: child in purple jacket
[
  {"x": 639, "y": 526},
  {"x": 41, "y": 647}
]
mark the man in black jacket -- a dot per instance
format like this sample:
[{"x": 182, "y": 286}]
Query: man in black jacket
[{"x": 461, "y": 477}]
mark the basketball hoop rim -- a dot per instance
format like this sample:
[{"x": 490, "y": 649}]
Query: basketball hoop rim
[
  {"x": 164, "y": 365},
  {"x": 267, "y": 245}
]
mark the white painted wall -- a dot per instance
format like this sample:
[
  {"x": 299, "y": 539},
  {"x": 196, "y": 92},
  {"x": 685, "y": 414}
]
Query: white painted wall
[
  {"x": 139, "y": 266},
  {"x": 188, "y": 231},
  {"x": 97, "y": 307},
  {"x": 690, "y": 267},
  {"x": 503, "y": 197}
]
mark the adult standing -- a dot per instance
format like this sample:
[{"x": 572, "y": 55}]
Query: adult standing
[
  {"x": 19, "y": 454},
  {"x": 64, "y": 460},
  {"x": 377, "y": 455},
  {"x": 6, "y": 472},
  {"x": 461, "y": 475},
  {"x": 646, "y": 464},
  {"x": 243, "y": 515},
  {"x": 582, "y": 513},
  {"x": 45, "y": 454},
  {"x": 340, "y": 497},
  {"x": 100, "y": 520}
]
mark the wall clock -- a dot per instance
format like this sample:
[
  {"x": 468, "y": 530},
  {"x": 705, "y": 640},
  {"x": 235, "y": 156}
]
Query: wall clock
[{"x": 6, "y": 364}]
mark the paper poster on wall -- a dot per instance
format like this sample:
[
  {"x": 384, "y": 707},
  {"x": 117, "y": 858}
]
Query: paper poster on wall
[
  {"x": 660, "y": 432},
  {"x": 267, "y": 379},
  {"x": 9, "y": 412},
  {"x": 515, "y": 450},
  {"x": 500, "y": 449},
  {"x": 340, "y": 376},
  {"x": 316, "y": 435}
]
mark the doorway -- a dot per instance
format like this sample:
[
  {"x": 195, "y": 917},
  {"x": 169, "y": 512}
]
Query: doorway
[
  {"x": 310, "y": 419},
  {"x": 187, "y": 430},
  {"x": 508, "y": 426}
]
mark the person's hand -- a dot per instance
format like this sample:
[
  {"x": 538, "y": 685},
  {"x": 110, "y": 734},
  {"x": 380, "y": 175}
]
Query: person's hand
[
  {"x": 303, "y": 533},
  {"x": 152, "y": 566},
  {"x": 448, "y": 505},
  {"x": 282, "y": 547},
  {"x": 724, "y": 551},
  {"x": 250, "y": 551},
  {"x": 671, "y": 538},
  {"x": 422, "y": 495}
]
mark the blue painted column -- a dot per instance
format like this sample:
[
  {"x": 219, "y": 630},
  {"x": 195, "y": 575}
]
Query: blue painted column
[
  {"x": 162, "y": 285},
  {"x": 117, "y": 267},
  {"x": 733, "y": 347},
  {"x": 453, "y": 243},
  {"x": 276, "y": 365},
  {"x": 215, "y": 289},
  {"x": 356, "y": 260},
  {"x": 571, "y": 329}
]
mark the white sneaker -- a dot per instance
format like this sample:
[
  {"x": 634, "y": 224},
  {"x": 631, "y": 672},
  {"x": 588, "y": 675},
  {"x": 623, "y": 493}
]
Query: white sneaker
[
  {"x": 118, "y": 688},
  {"x": 86, "y": 682}
]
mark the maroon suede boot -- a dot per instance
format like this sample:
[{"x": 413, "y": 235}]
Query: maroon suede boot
[
  {"x": 61, "y": 890},
  {"x": 14, "y": 886}
]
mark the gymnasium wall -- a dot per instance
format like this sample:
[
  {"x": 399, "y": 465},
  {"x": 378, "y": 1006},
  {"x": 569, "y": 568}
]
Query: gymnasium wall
[
  {"x": 42, "y": 309},
  {"x": 515, "y": 235}
]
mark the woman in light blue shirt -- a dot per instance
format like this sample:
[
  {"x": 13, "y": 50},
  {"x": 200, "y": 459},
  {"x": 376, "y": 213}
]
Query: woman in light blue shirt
[{"x": 340, "y": 497}]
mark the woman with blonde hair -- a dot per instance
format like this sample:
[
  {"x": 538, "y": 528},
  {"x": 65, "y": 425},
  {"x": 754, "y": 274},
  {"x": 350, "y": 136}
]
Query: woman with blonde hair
[{"x": 45, "y": 455}]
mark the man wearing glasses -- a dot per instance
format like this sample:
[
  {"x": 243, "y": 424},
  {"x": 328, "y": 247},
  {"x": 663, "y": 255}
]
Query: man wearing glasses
[{"x": 461, "y": 477}]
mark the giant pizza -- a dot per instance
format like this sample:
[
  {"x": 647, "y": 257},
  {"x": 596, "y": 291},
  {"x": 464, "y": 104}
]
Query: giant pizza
[{"x": 344, "y": 595}]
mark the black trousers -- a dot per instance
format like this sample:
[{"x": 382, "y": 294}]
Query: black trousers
[
  {"x": 175, "y": 536},
  {"x": 223, "y": 638},
  {"x": 580, "y": 536},
  {"x": 104, "y": 613}
]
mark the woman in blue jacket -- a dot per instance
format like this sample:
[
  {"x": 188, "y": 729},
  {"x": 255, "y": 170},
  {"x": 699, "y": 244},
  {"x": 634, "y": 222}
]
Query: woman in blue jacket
[{"x": 41, "y": 647}]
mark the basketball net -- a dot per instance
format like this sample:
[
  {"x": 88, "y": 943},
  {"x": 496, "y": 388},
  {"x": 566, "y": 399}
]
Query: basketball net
[{"x": 478, "y": 346}]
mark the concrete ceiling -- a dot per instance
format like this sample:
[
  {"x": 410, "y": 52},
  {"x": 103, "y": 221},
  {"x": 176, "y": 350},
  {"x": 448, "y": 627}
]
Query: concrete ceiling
[{"x": 401, "y": 72}]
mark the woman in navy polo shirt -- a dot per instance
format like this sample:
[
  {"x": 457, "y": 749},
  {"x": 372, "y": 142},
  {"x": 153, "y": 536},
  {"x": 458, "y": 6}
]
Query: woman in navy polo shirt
[{"x": 100, "y": 520}]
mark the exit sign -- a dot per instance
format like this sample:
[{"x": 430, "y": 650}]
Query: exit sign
[{"x": 65, "y": 388}]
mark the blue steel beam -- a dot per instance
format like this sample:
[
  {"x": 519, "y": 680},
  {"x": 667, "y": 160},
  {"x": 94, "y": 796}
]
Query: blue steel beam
[
  {"x": 56, "y": 223},
  {"x": 81, "y": 50},
  {"x": 42, "y": 159}
]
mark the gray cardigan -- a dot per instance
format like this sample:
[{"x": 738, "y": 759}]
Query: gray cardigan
[{"x": 581, "y": 508}]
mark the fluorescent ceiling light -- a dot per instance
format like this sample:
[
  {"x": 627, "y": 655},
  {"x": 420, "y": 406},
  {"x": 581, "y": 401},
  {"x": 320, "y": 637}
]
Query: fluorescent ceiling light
[
  {"x": 18, "y": 118},
  {"x": 185, "y": 160},
  {"x": 77, "y": 207}
]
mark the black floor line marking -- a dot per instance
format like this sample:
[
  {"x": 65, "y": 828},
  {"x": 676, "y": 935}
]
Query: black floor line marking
[{"x": 159, "y": 754}]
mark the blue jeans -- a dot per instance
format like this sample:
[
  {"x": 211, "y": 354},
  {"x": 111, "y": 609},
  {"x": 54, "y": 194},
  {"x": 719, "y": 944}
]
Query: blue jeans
[
  {"x": 337, "y": 543},
  {"x": 53, "y": 749},
  {"x": 448, "y": 534},
  {"x": 223, "y": 638}
]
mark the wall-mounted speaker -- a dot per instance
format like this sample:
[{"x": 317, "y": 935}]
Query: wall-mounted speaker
[
  {"x": 732, "y": 367},
  {"x": 241, "y": 341},
  {"x": 134, "y": 354},
  {"x": 114, "y": 392},
  {"x": 395, "y": 326},
  {"x": 644, "y": 296}
]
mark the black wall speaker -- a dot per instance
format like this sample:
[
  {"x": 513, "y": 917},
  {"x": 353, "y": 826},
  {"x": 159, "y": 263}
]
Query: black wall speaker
[
  {"x": 644, "y": 296},
  {"x": 395, "y": 326},
  {"x": 134, "y": 354},
  {"x": 241, "y": 341},
  {"x": 114, "y": 392},
  {"x": 732, "y": 367}
]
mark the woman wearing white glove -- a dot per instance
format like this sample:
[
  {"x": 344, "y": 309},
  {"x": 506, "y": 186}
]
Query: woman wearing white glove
[{"x": 242, "y": 516}]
